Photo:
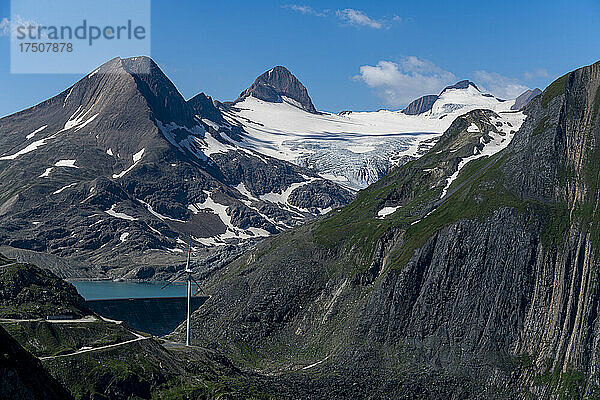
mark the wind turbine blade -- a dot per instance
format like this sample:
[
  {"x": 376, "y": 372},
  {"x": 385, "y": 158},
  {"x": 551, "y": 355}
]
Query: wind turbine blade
[
  {"x": 165, "y": 285},
  {"x": 197, "y": 284},
  {"x": 169, "y": 282}
]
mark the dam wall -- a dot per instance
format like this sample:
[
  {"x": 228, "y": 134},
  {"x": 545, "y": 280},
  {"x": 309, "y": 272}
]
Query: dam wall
[{"x": 157, "y": 315}]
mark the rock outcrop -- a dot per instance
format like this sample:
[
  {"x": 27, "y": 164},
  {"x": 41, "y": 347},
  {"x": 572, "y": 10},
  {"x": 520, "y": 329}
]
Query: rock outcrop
[
  {"x": 278, "y": 82},
  {"x": 525, "y": 98},
  {"x": 420, "y": 105}
]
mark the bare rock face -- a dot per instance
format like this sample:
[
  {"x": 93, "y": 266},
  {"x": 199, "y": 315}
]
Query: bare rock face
[
  {"x": 525, "y": 98},
  {"x": 490, "y": 292},
  {"x": 319, "y": 194},
  {"x": 420, "y": 105},
  {"x": 278, "y": 82}
]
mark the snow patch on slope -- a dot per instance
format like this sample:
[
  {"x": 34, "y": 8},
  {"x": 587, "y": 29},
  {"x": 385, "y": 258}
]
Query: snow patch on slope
[
  {"x": 232, "y": 231},
  {"x": 64, "y": 188},
  {"x": 510, "y": 123},
  {"x": 192, "y": 142},
  {"x": 32, "y": 134},
  {"x": 75, "y": 121},
  {"x": 283, "y": 197},
  {"x": 120, "y": 215},
  {"x": 241, "y": 187},
  {"x": 385, "y": 211},
  {"x": 66, "y": 163},
  {"x": 157, "y": 214},
  {"x": 46, "y": 173},
  {"x": 473, "y": 128},
  {"x": 136, "y": 159},
  {"x": 29, "y": 148},
  {"x": 199, "y": 142}
]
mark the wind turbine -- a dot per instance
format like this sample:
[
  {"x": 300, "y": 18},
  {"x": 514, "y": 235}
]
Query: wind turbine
[
  {"x": 188, "y": 271},
  {"x": 190, "y": 278}
]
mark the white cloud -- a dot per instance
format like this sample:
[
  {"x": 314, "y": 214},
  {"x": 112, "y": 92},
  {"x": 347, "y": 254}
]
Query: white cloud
[
  {"x": 349, "y": 16},
  {"x": 499, "y": 85},
  {"x": 358, "y": 18},
  {"x": 306, "y": 10},
  {"x": 4, "y": 27},
  {"x": 536, "y": 73},
  {"x": 400, "y": 83}
]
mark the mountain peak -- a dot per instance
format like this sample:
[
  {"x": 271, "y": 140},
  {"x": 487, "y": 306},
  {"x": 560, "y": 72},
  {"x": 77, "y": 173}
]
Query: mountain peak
[
  {"x": 425, "y": 103},
  {"x": 147, "y": 79},
  {"x": 464, "y": 84},
  {"x": 276, "y": 83},
  {"x": 204, "y": 106},
  {"x": 131, "y": 65},
  {"x": 525, "y": 97}
]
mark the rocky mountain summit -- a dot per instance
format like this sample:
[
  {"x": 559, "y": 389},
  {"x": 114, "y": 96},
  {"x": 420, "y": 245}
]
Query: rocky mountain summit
[
  {"x": 426, "y": 103},
  {"x": 468, "y": 273},
  {"x": 119, "y": 171},
  {"x": 276, "y": 83},
  {"x": 525, "y": 98},
  {"x": 464, "y": 84}
]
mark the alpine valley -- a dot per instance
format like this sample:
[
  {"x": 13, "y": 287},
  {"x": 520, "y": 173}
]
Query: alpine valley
[{"x": 449, "y": 250}]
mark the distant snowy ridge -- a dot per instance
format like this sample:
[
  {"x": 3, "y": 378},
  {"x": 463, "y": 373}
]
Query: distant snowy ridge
[{"x": 354, "y": 149}]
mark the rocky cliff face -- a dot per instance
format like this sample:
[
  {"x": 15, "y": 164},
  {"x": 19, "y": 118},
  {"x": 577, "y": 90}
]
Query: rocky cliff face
[
  {"x": 420, "y": 105},
  {"x": 487, "y": 290},
  {"x": 278, "y": 82},
  {"x": 525, "y": 98},
  {"x": 203, "y": 105}
]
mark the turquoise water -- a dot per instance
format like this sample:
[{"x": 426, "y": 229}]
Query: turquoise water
[{"x": 96, "y": 290}]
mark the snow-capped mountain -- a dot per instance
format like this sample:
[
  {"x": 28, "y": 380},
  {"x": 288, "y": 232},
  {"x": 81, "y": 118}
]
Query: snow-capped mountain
[
  {"x": 353, "y": 149},
  {"x": 278, "y": 84},
  {"x": 119, "y": 170}
]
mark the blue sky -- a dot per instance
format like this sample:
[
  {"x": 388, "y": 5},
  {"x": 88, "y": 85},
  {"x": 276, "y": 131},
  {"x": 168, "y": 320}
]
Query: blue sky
[{"x": 350, "y": 54}]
